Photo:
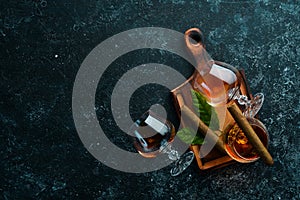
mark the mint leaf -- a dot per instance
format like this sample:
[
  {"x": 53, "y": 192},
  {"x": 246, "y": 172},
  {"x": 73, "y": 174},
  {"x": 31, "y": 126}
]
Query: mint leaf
[
  {"x": 190, "y": 136},
  {"x": 205, "y": 111}
]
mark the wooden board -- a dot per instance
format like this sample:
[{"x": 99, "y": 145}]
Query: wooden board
[{"x": 215, "y": 158}]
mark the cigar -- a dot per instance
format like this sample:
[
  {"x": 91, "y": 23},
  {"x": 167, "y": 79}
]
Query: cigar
[
  {"x": 250, "y": 134},
  {"x": 205, "y": 130}
]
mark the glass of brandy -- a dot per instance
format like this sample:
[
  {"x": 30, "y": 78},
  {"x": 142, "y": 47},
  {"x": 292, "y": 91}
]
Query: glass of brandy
[
  {"x": 153, "y": 135},
  {"x": 219, "y": 82},
  {"x": 238, "y": 146}
]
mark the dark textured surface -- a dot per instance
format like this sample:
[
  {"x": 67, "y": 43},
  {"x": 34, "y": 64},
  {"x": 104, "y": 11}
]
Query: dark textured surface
[{"x": 42, "y": 46}]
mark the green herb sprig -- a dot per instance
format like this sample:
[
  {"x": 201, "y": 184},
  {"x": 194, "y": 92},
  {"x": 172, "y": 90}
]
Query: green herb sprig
[{"x": 205, "y": 112}]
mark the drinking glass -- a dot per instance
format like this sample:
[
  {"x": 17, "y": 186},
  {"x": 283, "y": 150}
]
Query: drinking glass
[
  {"x": 238, "y": 146},
  {"x": 154, "y": 135}
]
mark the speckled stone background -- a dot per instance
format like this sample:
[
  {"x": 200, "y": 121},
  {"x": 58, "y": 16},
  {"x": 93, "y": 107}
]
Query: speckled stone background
[{"x": 43, "y": 44}]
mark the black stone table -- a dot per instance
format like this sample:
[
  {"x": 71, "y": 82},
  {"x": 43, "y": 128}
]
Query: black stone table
[{"x": 43, "y": 44}]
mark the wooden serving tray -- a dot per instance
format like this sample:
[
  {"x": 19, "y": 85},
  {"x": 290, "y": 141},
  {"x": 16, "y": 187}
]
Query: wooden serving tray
[{"x": 215, "y": 158}]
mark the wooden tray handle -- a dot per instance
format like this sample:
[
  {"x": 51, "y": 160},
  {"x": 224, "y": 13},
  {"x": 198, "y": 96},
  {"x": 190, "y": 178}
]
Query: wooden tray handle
[
  {"x": 194, "y": 41},
  {"x": 194, "y": 38}
]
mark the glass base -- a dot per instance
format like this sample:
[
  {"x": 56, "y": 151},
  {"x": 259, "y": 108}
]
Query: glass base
[
  {"x": 255, "y": 106},
  {"x": 182, "y": 163}
]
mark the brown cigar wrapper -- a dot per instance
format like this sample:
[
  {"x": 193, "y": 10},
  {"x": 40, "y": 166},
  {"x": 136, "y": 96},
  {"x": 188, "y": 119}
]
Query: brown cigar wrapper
[
  {"x": 205, "y": 130},
  {"x": 250, "y": 134}
]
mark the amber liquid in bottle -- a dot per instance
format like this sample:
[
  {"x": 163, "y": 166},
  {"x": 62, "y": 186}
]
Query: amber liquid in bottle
[{"x": 218, "y": 85}]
